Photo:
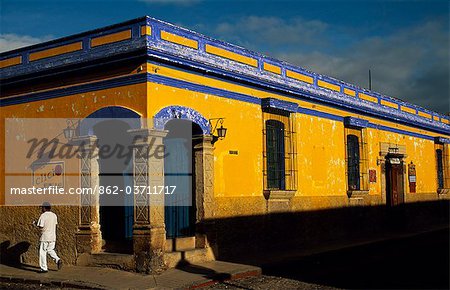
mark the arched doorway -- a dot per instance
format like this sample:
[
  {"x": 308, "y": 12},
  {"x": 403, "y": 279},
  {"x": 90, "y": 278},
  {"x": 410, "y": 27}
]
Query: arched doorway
[
  {"x": 110, "y": 125},
  {"x": 179, "y": 170},
  {"x": 194, "y": 138}
]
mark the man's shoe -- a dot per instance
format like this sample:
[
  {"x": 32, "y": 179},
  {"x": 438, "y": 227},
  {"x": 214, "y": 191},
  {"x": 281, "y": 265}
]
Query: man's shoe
[
  {"x": 41, "y": 271},
  {"x": 60, "y": 264}
]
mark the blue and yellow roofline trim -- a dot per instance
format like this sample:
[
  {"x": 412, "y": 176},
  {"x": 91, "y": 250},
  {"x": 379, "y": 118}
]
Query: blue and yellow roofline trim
[{"x": 157, "y": 39}]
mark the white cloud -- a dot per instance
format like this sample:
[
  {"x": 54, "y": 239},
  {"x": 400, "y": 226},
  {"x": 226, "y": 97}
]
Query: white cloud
[
  {"x": 411, "y": 63},
  {"x": 13, "y": 41},
  {"x": 270, "y": 33}
]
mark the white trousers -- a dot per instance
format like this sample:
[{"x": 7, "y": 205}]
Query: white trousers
[{"x": 44, "y": 249}]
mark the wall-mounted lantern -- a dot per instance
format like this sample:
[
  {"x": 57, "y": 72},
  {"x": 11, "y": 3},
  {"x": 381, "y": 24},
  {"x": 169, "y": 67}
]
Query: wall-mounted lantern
[
  {"x": 217, "y": 133},
  {"x": 70, "y": 132}
]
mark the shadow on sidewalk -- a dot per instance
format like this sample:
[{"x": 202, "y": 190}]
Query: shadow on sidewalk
[
  {"x": 12, "y": 255},
  {"x": 207, "y": 273}
]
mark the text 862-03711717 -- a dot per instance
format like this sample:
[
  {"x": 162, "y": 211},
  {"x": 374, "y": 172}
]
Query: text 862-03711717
[{"x": 141, "y": 189}]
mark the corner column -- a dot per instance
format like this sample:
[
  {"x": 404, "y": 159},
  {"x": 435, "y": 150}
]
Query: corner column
[
  {"x": 149, "y": 234},
  {"x": 88, "y": 236},
  {"x": 204, "y": 191}
]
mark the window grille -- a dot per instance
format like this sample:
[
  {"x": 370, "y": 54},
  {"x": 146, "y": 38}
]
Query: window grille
[
  {"x": 353, "y": 162},
  {"x": 275, "y": 153},
  {"x": 442, "y": 166},
  {"x": 356, "y": 159},
  {"x": 279, "y": 150}
]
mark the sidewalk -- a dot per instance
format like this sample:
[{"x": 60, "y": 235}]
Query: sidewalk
[{"x": 190, "y": 276}]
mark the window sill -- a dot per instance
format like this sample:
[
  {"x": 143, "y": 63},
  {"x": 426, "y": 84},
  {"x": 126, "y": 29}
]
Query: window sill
[
  {"x": 271, "y": 194},
  {"x": 443, "y": 191},
  {"x": 357, "y": 193}
]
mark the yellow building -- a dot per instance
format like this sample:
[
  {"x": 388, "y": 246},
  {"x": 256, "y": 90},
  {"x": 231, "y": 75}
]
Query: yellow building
[{"x": 296, "y": 142}]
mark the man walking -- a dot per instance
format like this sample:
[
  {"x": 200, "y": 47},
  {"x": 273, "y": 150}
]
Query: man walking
[{"x": 47, "y": 223}]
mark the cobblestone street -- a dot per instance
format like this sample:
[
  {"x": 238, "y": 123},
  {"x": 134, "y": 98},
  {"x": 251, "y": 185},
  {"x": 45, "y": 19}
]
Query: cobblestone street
[
  {"x": 413, "y": 262},
  {"x": 261, "y": 282},
  {"x": 267, "y": 282}
]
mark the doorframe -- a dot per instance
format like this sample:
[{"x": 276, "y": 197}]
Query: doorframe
[{"x": 384, "y": 176}]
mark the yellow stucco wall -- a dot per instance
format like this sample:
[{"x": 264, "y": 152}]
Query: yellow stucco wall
[
  {"x": 234, "y": 175},
  {"x": 321, "y": 156},
  {"x": 132, "y": 97},
  {"x": 320, "y": 141},
  {"x": 320, "y": 144}
]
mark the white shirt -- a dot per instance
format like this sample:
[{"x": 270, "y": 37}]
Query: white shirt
[{"x": 48, "y": 222}]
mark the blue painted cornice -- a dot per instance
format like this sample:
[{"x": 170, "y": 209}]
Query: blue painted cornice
[
  {"x": 442, "y": 140},
  {"x": 271, "y": 103},
  {"x": 355, "y": 122}
]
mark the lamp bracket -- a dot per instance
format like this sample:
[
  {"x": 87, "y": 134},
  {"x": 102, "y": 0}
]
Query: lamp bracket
[{"x": 219, "y": 121}]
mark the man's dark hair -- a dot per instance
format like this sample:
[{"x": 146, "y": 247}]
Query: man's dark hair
[{"x": 46, "y": 205}]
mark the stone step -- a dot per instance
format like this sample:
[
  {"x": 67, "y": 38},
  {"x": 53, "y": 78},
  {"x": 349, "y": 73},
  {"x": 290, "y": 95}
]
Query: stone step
[
  {"x": 180, "y": 244},
  {"x": 172, "y": 259},
  {"x": 107, "y": 260}
]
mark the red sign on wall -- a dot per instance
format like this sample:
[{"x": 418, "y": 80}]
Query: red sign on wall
[
  {"x": 412, "y": 177},
  {"x": 372, "y": 176}
]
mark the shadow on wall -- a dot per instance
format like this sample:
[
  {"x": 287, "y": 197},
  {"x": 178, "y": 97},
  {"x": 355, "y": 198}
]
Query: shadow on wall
[{"x": 12, "y": 255}]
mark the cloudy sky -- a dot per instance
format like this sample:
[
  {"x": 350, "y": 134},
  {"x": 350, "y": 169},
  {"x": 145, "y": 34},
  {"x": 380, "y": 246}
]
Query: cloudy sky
[{"x": 404, "y": 43}]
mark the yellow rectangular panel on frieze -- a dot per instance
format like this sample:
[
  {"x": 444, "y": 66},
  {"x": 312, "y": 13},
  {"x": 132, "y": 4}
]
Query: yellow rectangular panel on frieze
[
  {"x": 231, "y": 55},
  {"x": 146, "y": 30},
  {"x": 272, "y": 68},
  {"x": 56, "y": 51},
  {"x": 11, "y": 61},
  {"x": 328, "y": 85},
  {"x": 111, "y": 38},
  {"x": 389, "y": 104},
  {"x": 179, "y": 39},
  {"x": 368, "y": 98},
  {"x": 349, "y": 92},
  {"x": 299, "y": 76},
  {"x": 407, "y": 109},
  {"x": 428, "y": 116}
]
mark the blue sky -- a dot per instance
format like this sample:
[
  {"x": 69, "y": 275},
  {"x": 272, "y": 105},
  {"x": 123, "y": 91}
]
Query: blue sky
[{"x": 404, "y": 43}]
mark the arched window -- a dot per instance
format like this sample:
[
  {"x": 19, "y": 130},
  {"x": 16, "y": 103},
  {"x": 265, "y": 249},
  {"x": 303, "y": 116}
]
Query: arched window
[
  {"x": 275, "y": 150},
  {"x": 353, "y": 160}
]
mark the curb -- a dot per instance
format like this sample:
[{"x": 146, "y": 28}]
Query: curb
[
  {"x": 53, "y": 282},
  {"x": 254, "y": 271}
]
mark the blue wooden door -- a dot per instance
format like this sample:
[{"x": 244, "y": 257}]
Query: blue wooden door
[
  {"x": 178, "y": 213},
  {"x": 128, "y": 200}
]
